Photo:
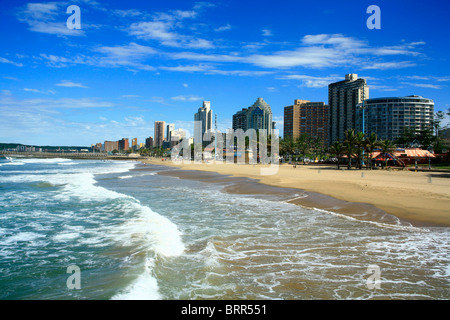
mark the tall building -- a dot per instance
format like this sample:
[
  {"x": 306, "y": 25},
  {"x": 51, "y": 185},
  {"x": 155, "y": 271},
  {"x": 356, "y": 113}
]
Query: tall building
[
  {"x": 306, "y": 117},
  {"x": 204, "y": 114},
  {"x": 134, "y": 143},
  {"x": 159, "y": 134},
  {"x": 124, "y": 144},
  {"x": 169, "y": 128},
  {"x": 257, "y": 116},
  {"x": 97, "y": 147},
  {"x": 110, "y": 146},
  {"x": 344, "y": 98},
  {"x": 388, "y": 117},
  {"x": 176, "y": 136},
  {"x": 149, "y": 142}
]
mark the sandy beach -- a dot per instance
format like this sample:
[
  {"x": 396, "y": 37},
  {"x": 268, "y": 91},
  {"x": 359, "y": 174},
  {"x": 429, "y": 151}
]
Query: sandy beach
[{"x": 421, "y": 198}]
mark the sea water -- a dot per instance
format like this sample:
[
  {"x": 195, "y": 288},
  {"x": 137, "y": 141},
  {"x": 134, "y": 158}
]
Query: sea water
[{"x": 137, "y": 234}]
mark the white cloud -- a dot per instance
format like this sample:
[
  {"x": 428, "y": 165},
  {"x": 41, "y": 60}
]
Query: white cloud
[
  {"x": 189, "y": 68},
  {"x": 135, "y": 121},
  {"x": 266, "y": 32},
  {"x": 4, "y": 60},
  {"x": 165, "y": 27},
  {"x": 47, "y": 18},
  {"x": 48, "y": 104},
  {"x": 223, "y": 28},
  {"x": 187, "y": 98},
  {"x": 38, "y": 121},
  {"x": 127, "y": 13},
  {"x": 423, "y": 85},
  {"x": 311, "y": 81},
  {"x": 310, "y": 57},
  {"x": 164, "y": 32},
  {"x": 333, "y": 50},
  {"x": 39, "y": 91},
  {"x": 389, "y": 65},
  {"x": 132, "y": 56},
  {"x": 70, "y": 84}
]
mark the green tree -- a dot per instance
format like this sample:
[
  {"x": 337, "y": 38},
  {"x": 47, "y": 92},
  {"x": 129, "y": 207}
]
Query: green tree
[
  {"x": 337, "y": 150},
  {"x": 407, "y": 137},
  {"x": 303, "y": 144},
  {"x": 287, "y": 147},
  {"x": 349, "y": 146},
  {"x": 386, "y": 146},
  {"x": 372, "y": 143},
  {"x": 426, "y": 137},
  {"x": 317, "y": 147}
]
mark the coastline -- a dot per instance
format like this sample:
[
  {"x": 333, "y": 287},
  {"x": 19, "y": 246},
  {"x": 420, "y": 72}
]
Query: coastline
[{"x": 419, "y": 198}]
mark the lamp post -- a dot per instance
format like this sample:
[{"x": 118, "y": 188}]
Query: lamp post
[
  {"x": 415, "y": 144},
  {"x": 215, "y": 138},
  {"x": 363, "y": 108}
]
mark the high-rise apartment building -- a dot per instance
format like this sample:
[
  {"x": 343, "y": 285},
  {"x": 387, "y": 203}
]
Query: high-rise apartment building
[
  {"x": 306, "y": 117},
  {"x": 388, "y": 117},
  {"x": 110, "y": 146},
  {"x": 159, "y": 133},
  {"x": 176, "y": 136},
  {"x": 149, "y": 142},
  {"x": 134, "y": 143},
  {"x": 169, "y": 128},
  {"x": 124, "y": 144},
  {"x": 258, "y": 116},
  {"x": 204, "y": 117},
  {"x": 344, "y": 98}
]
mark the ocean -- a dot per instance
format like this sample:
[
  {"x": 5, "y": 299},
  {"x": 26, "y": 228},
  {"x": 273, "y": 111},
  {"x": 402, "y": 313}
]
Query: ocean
[{"x": 136, "y": 231}]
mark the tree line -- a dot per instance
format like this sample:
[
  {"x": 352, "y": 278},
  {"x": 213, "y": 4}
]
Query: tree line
[{"x": 358, "y": 147}]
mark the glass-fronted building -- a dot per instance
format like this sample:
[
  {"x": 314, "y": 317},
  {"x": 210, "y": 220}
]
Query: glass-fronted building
[{"x": 388, "y": 117}]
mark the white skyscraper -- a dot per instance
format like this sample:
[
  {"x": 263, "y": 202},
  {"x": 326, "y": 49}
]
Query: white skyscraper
[
  {"x": 203, "y": 116},
  {"x": 170, "y": 127}
]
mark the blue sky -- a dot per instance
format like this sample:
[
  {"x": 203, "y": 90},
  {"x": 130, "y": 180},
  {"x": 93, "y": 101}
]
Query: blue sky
[{"x": 136, "y": 62}]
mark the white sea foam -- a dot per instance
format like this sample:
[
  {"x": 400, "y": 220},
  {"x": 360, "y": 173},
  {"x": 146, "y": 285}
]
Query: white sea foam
[
  {"x": 159, "y": 237},
  {"x": 145, "y": 287},
  {"x": 126, "y": 177},
  {"x": 22, "y": 237}
]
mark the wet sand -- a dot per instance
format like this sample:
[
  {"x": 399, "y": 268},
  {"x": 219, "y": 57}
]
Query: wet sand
[{"x": 419, "y": 198}]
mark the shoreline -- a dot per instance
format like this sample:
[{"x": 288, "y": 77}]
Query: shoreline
[{"x": 419, "y": 198}]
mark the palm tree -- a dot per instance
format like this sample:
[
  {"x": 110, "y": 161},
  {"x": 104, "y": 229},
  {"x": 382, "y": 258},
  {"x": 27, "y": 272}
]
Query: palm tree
[
  {"x": 372, "y": 143},
  {"x": 349, "y": 146},
  {"x": 303, "y": 143},
  {"x": 337, "y": 149},
  {"x": 317, "y": 147},
  {"x": 387, "y": 146},
  {"x": 287, "y": 146}
]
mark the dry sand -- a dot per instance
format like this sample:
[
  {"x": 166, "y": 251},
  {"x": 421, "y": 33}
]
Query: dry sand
[{"x": 422, "y": 198}]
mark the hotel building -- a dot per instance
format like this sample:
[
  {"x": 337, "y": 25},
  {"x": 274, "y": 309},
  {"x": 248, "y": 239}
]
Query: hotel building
[
  {"x": 110, "y": 146},
  {"x": 159, "y": 134},
  {"x": 306, "y": 117},
  {"x": 344, "y": 98},
  {"x": 124, "y": 145},
  {"x": 203, "y": 117},
  {"x": 169, "y": 128},
  {"x": 387, "y": 117},
  {"x": 258, "y": 116},
  {"x": 149, "y": 142}
]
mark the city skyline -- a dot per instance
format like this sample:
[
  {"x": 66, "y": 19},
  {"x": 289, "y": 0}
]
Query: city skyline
[{"x": 129, "y": 66}]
